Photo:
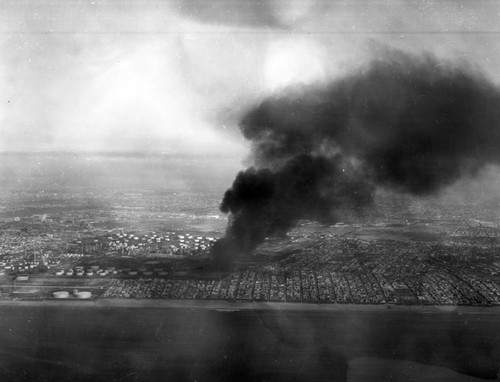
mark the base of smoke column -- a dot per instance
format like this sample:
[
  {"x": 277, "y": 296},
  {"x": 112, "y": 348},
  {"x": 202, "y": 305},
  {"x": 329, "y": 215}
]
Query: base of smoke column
[
  {"x": 220, "y": 263},
  {"x": 223, "y": 254}
]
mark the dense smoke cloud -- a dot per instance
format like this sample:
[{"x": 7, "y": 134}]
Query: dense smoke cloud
[{"x": 411, "y": 124}]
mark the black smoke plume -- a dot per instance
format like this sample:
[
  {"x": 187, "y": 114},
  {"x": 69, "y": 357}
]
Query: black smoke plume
[{"x": 405, "y": 122}]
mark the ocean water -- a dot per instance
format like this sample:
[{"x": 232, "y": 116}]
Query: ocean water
[{"x": 74, "y": 343}]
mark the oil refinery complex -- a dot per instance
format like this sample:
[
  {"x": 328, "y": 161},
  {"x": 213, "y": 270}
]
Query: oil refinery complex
[
  {"x": 439, "y": 256},
  {"x": 331, "y": 270}
]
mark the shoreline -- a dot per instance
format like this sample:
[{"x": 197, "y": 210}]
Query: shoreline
[{"x": 226, "y": 306}]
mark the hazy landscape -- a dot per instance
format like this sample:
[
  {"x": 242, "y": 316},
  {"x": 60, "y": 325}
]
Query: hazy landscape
[
  {"x": 424, "y": 272},
  {"x": 272, "y": 190}
]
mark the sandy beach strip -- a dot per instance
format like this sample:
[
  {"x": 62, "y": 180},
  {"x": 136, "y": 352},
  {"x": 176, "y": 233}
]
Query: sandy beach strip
[{"x": 236, "y": 306}]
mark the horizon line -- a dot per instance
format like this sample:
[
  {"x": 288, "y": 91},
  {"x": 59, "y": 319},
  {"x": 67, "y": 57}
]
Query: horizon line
[{"x": 120, "y": 153}]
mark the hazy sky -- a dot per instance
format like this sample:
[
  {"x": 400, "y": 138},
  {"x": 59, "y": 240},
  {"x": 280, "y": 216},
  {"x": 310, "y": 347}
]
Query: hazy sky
[{"x": 174, "y": 76}]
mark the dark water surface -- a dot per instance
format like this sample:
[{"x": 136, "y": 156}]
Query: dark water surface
[{"x": 65, "y": 343}]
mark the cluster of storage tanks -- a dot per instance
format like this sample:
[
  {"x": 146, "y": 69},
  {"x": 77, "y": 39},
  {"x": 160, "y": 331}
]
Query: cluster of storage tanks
[
  {"x": 80, "y": 270},
  {"x": 63, "y": 294},
  {"x": 95, "y": 270},
  {"x": 171, "y": 240},
  {"x": 20, "y": 266}
]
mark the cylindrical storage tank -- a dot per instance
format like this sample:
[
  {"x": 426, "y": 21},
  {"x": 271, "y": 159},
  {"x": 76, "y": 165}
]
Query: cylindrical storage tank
[
  {"x": 61, "y": 294},
  {"x": 83, "y": 294}
]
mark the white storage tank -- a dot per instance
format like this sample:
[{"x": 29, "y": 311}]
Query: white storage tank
[
  {"x": 83, "y": 294},
  {"x": 61, "y": 294}
]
